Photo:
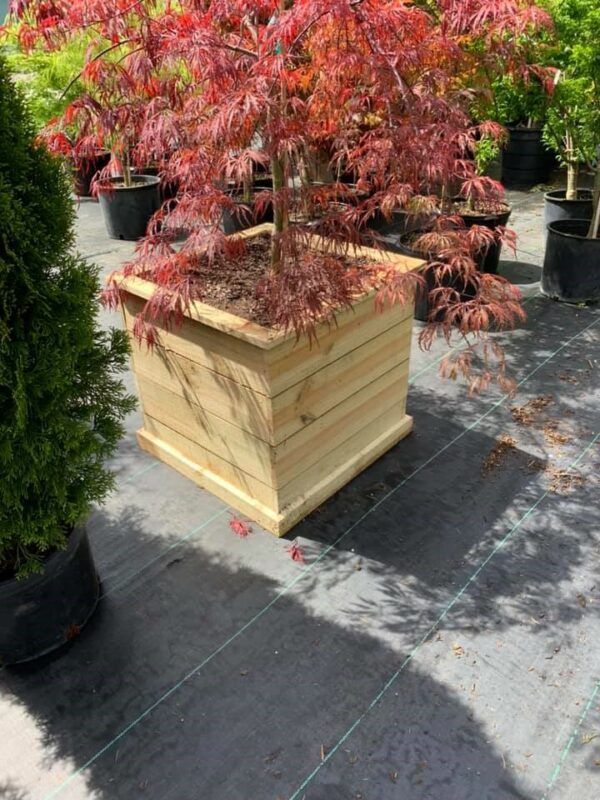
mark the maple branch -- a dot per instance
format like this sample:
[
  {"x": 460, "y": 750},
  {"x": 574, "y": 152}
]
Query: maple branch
[
  {"x": 237, "y": 49},
  {"x": 314, "y": 21},
  {"x": 99, "y": 55}
]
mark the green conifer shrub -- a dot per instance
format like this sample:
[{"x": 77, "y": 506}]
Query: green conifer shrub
[{"x": 62, "y": 402}]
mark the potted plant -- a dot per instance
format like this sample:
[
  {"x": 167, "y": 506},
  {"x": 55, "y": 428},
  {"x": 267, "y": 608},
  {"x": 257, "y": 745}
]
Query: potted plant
[
  {"x": 573, "y": 116},
  {"x": 512, "y": 89},
  {"x": 526, "y": 161},
  {"x": 571, "y": 270},
  {"x": 61, "y": 402},
  {"x": 277, "y": 366},
  {"x": 471, "y": 225},
  {"x": 107, "y": 115}
]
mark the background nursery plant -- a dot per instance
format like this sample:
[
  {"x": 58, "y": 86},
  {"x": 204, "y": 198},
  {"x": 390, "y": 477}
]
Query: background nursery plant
[{"x": 573, "y": 125}]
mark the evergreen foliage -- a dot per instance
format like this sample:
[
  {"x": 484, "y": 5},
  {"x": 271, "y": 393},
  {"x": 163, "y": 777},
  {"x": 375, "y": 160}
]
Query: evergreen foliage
[{"x": 62, "y": 402}]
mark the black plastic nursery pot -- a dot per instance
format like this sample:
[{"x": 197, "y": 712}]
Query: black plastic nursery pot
[
  {"x": 43, "y": 612},
  {"x": 525, "y": 160},
  {"x": 85, "y": 170},
  {"x": 244, "y": 216},
  {"x": 128, "y": 209},
  {"x": 168, "y": 189},
  {"x": 487, "y": 260},
  {"x": 571, "y": 270},
  {"x": 557, "y": 207},
  {"x": 401, "y": 222},
  {"x": 423, "y": 306}
]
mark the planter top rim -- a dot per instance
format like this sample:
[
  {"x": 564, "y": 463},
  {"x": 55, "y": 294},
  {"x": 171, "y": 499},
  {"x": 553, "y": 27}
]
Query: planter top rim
[
  {"x": 252, "y": 332},
  {"x": 584, "y": 224}
]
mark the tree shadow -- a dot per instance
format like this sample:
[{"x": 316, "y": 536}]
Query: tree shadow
[
  {"x": 422, "y": 533},
  {"x": 252, "y": 722},
  {"x": 9, "y": 791}
]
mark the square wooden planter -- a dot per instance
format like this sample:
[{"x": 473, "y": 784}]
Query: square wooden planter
[{"x": 271, "y": 425}]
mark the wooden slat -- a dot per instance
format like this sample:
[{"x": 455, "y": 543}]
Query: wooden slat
[
  {"x": 293, "y": 361},
  {"x": 249, "y": 410},
  {"x": 339, "y": 466},
  {"x": 225, "y": 355},
  {"x": 314, "y": 396},
  {"x": 308, "y": 446},
  {"x": 205, "y": 461},
  {"x": 249, "y": 454}
]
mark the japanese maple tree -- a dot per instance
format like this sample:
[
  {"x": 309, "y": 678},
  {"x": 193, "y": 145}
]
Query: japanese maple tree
[{"x": 373, "y": 87}]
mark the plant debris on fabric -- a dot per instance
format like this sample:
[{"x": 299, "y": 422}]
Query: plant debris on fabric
[
  {"x": 528, "y": 414},
  {"x": 505, "y": 446}
]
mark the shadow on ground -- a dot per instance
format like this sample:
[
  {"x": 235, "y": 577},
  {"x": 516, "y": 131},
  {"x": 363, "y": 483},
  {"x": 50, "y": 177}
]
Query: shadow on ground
[
  {"x": 253, "y": 722},
  {"x": 257, "y": 718}
]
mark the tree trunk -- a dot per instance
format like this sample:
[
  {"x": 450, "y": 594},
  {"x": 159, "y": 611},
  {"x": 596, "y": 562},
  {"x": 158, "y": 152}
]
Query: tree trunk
[
  {"x": 572, "y": 169},
  {"x": 280, "y": 211},
  {"x": 279, "y": 170},
  {"x": 126, "y": 169},
  {"x": 595, "y": 224},
  {"x": 572, "y": 180}
]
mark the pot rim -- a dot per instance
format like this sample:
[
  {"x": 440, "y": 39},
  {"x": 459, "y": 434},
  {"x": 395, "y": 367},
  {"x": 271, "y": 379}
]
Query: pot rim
[
  {"x": 584, "y": 223},
  {"x": 554, "y": 196},
  {"x": 53, "y": 562},
  {"x": 142, "y": 182},
  {"x": 515, "y": 126}
]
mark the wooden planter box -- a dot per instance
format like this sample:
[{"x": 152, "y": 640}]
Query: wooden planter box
[{"x": 271, "y": 425}]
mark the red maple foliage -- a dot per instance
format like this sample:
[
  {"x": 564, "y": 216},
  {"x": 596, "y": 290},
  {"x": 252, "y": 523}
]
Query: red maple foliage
[{"x": 354, "y": 107}]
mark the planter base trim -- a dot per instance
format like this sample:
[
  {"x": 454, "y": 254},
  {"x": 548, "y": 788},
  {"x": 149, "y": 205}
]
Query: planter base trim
[{"x": 276, "y": 522}]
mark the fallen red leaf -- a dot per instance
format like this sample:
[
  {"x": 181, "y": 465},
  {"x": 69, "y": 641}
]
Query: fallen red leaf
[
  {"x": 239, "y": 527},
  {"x": 296, "y": 552}
]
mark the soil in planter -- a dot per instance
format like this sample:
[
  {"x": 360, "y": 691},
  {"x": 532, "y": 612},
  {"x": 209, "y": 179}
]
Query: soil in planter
[{"x": 231, "y": 284}]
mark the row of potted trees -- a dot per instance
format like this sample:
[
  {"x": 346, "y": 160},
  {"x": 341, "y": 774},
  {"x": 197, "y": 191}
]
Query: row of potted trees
[
  {"x": 550, "y": 96},
  {"x": 552, "y": 112}
]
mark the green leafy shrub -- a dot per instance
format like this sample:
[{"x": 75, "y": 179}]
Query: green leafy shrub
[
  {"x": 62, "y": 402},
  {"x": 48, "y": 79},
  {"x": 487, "y": 150},
  {"x": 519, "y": 101},
  {"x": 573, "y": 125}
]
